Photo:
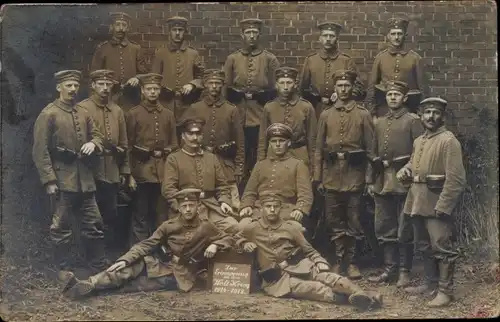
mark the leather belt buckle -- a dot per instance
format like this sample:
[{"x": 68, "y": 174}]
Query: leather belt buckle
[
  {"x": 325, "y": 100},
  {"x": 417, "y": 179},
  {"x": 283, "y": 264},
  {"x": 248, "y": 96},
  {"x": 341, "y": 155},
  {"x": 178, "y": 94},
  {"x": 157, "y": 154},
  {"x": 385, "y": 163}
]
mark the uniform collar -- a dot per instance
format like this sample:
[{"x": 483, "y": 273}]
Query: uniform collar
[
  {"x": 211, "y": 102},
  {"x": 265, "y": 224},
  {"x": 151, "y": 107},
  {"x": 346, "y": 107},
  {"x": 400, "y": 112},
  {"x": 63, "y": 106},
  {"x": 394, "y": 51},
  {"x": 99, "y": 103},
  {"x": 292, "y": 101},
  {"x": 256, "y": 51},
  {"x": 189, "y": 224},
  {"x": 123, "y": 43},
  {"x": 200, "y": 152},
  {"x": 173, "y": 47},
  {"x": 273, "y": 157},
  {"x": 328, "y": 55},
  {"x": 429, "y": 134}
]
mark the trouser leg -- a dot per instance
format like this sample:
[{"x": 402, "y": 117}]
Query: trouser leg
[
  {"x": 251, "y": 135},
  {"x": 106, "y": 198},
  {"x": 61, "y": 230},
  {"x": 92, "y": 231},
  {"x": 405, "y": 238},
  {"x": 141, "y": 221},
  {"x": 160, "y": 207},
  {"x": 336, "y": 223},
  {"x": 386, "y": 230},
  {"x": 311, "y": 290},
  {"x": 354, "y": 230}
]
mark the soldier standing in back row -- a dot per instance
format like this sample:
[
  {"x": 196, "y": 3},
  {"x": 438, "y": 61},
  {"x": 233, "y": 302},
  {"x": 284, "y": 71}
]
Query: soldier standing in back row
[
  {"x": 181, "y": 67},
  {"x": 65, "y": 137},
  {"x": 344, "y": 144},
  {"x": 113, "y": 168},
  {"x": 316, "y": 77},
  {"x": 293, "y": 111},
  {"x": 122, "y": 56},
  {"x": 396, "y": 64},
  {"x": 250, "y": 85},
  {"x": 151, "y": 136}
]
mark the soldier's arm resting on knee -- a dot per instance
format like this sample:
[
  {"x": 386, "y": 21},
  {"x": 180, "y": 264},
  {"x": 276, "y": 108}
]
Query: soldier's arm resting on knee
[{"x": 307, "y": 249}]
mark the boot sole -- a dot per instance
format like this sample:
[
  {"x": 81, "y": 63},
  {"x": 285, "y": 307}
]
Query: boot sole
[
  {"x": 360, "y": 301},
  {"x": 67, "y": 280},
  {"x": 80, "y": 290}
]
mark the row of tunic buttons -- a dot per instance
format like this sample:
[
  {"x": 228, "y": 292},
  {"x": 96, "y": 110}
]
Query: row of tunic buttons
[
  {"x": 212, "y": 132},
  {"x": 327, "y": 76},
  {"x": 122, "y": 69},
  {"x": 386, "y": 142},
  {"x": 108, "y": 127},
  {"x": 420, "y": 152},
  {"x": 250, "y": 71},
  {"x": 342, "y": 122},
  {"x": 396, "y": 70},
  {"x": 199, "y": 172},
  {"x": 78, "y": 129},
  {"x": 273, "y": 175},
  {"x": 178, "y": 60},
  {"x": 157, "y": 126}
]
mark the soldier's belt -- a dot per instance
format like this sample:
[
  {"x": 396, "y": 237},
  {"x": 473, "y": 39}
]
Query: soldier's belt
[
  {"x": 184, "y": 261},
  {"x": 433, "y": 181},
  {"x": 236, "y": 95},
  {"x": 144, "y": 154},
  {"x": 64, "y": 155},
  {"x": 396, "y": 163},
  {"x": 354, "y": 158}
]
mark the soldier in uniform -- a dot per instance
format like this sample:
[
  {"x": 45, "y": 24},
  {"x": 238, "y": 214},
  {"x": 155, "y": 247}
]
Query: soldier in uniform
[
  {"x": 189, "y": 238},
  {"x": 151, "y": 132},
  {"x": 250, "y": 85},
  {"x": 193, "y": 167},
  {"x": 182, "y": 69},
  {"x": 113, "y": 167},
  {"x": 316, "y": 76},
  {"x": 344, "y": 144},
  {"x": 223, "y": 130},
  {"x": 293, "y": 111},
  {"x": 394, "y": 135},
  {"x": 438, "y": 179},
  {"x": 122, "y": 56},
  {"x": 65, "y": 138},
  {"x": 396, "y": 63},
  {"x": 280, "y": 172},
  {"x": 290, "y": 266}
]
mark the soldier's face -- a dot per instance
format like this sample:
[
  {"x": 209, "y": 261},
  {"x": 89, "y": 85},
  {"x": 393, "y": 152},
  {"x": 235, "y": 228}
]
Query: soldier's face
[
  {"x": 68, "y": 90},
  {"x": 177, "y": 34},
  {"x": 102, "y": 87},
  {"x": 151, "y": 92},
  {"x": 396, "y": 37},
  {"x": 214, "y": 87},
  {"x": 250, "y": 36},
  {"x": 279, "y": 146},
  {"x": 272, "y": 210},
  {"x": 188, "y": 209},
  {"x": 395, "y": 99},
  {"x": 286, "y": 86},
  {"x": 432, "y": 118},
  {"x": 328, "y": 39},
  {"x": 119, "y": 28},
  {"x": 192, "y": 139},
  {"x": 343, "y": 88}
]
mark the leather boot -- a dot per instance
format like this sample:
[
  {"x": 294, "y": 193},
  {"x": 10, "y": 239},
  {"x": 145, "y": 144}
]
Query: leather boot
[
  {"x": 95, "y": 250},
  {"x": 348, "y": 259},
  {"x": 444, "y": 296},
  {"x": 361, "y": 299},
  {"x": 431, "y": 278},
  {"x": 391, "y": 254},
  {"x": 100, "y": 281},
  {"x": 339, "y": 249},
  {"x": 406, "y": 265},
  {"x": 62, "y": 256}
]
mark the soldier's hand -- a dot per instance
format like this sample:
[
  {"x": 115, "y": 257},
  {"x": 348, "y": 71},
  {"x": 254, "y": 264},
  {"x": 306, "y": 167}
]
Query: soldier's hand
[
  {"x": 210, "y": 251},
  {"x": 246, "y": 212},
  {"x": 51, "y": 189},
  {"x": 227, "y": 209},
  {"x": 334, "y": 97},
  {"x": 186, "y": 89},
  {"x": 249, "y": 247},
  {"x": 88, "y": 148},
  {"x": 297, "y": 215},
  {"x": 134, "y": 81},
  {"x": 117, "y": 266},
  {"x": 403, "y": 174},
  {"x": 131, "y": 183},
  {"x": 123, "y": 179},
  {"x": 321, "y": 267},
  {"x": 369, "y": 190}
]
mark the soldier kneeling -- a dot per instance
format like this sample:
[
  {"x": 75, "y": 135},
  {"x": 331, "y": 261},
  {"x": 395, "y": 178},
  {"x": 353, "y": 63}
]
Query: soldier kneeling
[
  {"x": 190, "y": 239},
  {"x": 289, "y": 265}
]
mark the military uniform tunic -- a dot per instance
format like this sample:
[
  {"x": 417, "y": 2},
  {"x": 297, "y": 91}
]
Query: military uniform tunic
[{"x": 300, "y": 116}]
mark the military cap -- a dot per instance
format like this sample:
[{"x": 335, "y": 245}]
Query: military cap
[
  {"x": 251, "y": 23},
  {"x": 398, "y": 23},
  {"x": 279, "y": 129},
  {"x": 120, "y": 16},
  {"x": 188, "y": 194},
  {"x": 269, "y": 196},
  {"x": 329, "y": 25},
  {"x": 66, "y": 75},
  {"x": 399, "y": 86},
  {"x": 103, "y": 74},
  {"x": 345, "y": 75},
  {"x": 150, "y": 78},
  {"x": 191, "y": 124},
  {"x": 214, "y": 73},
  {"x": 177, "y": 21},
  {"x": 436, "y": 102},
  {"x": 286, "y": 72}
]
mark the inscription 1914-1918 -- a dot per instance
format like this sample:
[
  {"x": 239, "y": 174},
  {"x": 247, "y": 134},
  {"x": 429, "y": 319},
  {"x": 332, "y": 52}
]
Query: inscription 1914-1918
[{"x": 229, "y": 278}]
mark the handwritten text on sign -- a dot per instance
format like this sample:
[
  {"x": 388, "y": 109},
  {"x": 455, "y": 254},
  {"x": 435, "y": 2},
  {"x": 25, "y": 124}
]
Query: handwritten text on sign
[{"x": 231, "y": 278}]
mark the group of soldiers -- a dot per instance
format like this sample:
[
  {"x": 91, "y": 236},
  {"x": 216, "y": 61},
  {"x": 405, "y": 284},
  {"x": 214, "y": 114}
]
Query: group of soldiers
[{"x": 291, "y": 144}]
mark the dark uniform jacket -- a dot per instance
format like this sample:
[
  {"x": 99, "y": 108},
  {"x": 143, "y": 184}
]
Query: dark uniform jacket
[{"x": 67, "y": 127}]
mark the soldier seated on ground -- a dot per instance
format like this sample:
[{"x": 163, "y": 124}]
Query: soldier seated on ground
[
  {"x": 290, "y": 266},
  {"x": 190, "y": 239}
]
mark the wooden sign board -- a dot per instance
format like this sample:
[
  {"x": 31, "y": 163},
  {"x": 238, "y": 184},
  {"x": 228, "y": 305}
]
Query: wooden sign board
[{"x": 231, "y": 273}]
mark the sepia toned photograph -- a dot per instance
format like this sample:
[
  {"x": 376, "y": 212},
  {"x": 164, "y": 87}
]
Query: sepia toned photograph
[{"x": 249, "y": 161}]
